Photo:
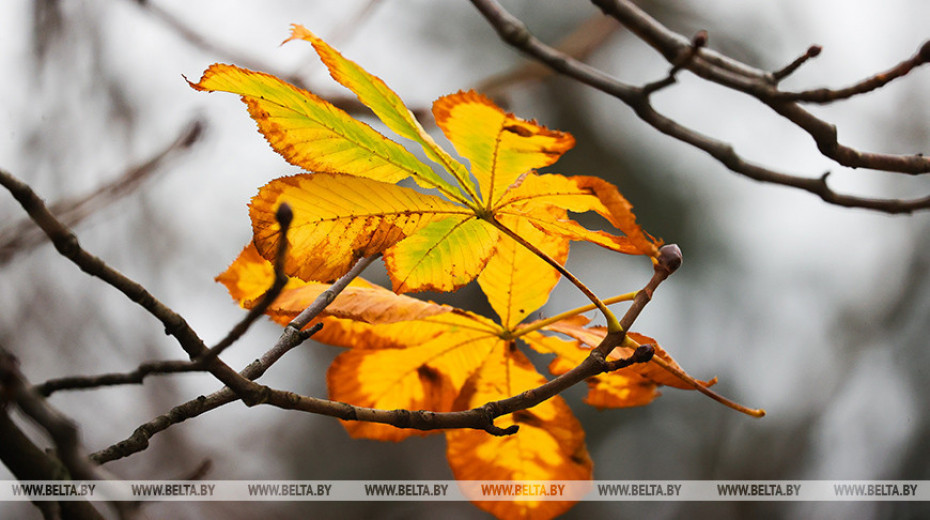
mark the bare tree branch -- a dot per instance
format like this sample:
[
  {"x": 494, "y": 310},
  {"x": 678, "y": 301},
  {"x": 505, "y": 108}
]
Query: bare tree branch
[
  {"x": 134, "y": 377},
  {"x": 764, "y": 88},
  {"x": 680, "y": 52},
  {"x": 26, "y": 461},
  {"x": 294, "y": 334},
  {"x": 284, "y": 216},
  {"x": 139, "y": 440},
  {"x": 64, "y": 432},
  {"x": 202, "y": 362},
  {"x": 67, "y": 244},
  {"x": 877, "y": 81}
]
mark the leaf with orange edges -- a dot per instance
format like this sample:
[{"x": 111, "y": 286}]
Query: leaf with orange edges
[
  {"x": 499, "y": 145},
  {"x": 384, "y": 102},
  {"x": 423, "y": 370},
  {"x": 339, "y": 219},
  {"x": 549, "y": 445},
  {"x": 579, "y": 194},
  {"x": 314, "y": 134}
]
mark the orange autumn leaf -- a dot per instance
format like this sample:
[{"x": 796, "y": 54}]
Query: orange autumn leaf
[
  {"x": 389, "y": 367},
  {"x": 349, "y": 206},
  {"x": 410, "y": 354},
  {"x": 549, "y": 445},
  {"x": 516, "y": 281},
  {"x": 500, "y": 146},
  {"x": 580, "y": 194},
  {"x": 442, "y": 362}
]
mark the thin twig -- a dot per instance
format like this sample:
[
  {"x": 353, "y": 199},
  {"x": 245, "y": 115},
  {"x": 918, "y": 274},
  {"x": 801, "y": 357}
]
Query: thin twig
[
  {"x": 139, "y": 440},
  {"x": 874, "y": 82},
  {"x": 134, "y": 377},
  {"x": 294, "y": 334},
  {"x": 202, "y": 362},
  {"x": 667, "y": 262},
  {"x": 699, "y": 41},
  {"x": 326, "y": 297},
  {"x": 284, "y": 216},
  {"x": 812, "y": 52},
  {"x": 67, "y": 244}
]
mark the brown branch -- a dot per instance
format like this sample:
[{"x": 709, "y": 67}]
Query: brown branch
[
  {"x": 722, "y": 70},
  {"x": 64, "y": 433},
  {"x": 699, "y": 41},
  {"x": 26, "y": 461},
  {"x": 284, "y": 216},
  {"x": 477, "y": 418},
  {"x": 294, "y": 334},
  {"x": 67, "y": 244},
  {"x": 139, "y": 440},
  {"x": 874, "y": 82},
  {"x": 812, "y": 52},
  {"x": 23, "y": 236},
  {"x": 134, "y": 377},
  {"x": 764, "y": 88},
  {"x": 667, "y": 262}
]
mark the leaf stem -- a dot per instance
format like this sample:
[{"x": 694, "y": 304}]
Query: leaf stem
[
  {"x": 613, "y": 325},
  {"x": 694, "y": 383},
  {"x": 754, "y": 412},
  {"x": 536, "y": 325}
]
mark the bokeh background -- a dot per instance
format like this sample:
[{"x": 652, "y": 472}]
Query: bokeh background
[{"x": 816, "y": 313}]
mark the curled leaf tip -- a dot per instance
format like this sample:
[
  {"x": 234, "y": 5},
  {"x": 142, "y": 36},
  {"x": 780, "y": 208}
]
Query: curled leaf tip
[{"x": 299, "y": 32}]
